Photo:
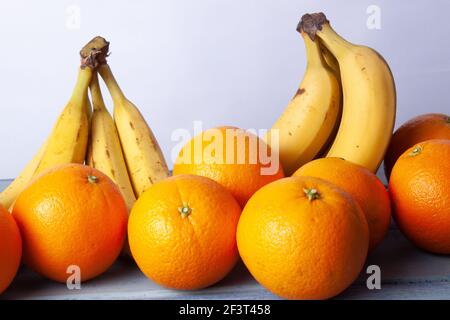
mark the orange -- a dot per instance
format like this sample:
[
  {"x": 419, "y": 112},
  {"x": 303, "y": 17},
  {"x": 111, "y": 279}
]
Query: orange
[
  {"x": 182, "y": 232},
  {"x": 232, "y": 157},
  {"x": 303, "y": 238},
  {"x": 72, "y": 215},
  {"x": 10, "y": 249},
  {"x": 420, "y": 193},
  {"x": 418, "y": 129},
  {"x": 362, "y": 184}
]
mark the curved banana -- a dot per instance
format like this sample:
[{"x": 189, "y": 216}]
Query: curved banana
[
  {"x": 309, "y": 119},
  {"x": 145, "y": 161},
  {"x": 68, "y": 141},
  {"x": 105, "y": 152},
  {"x": 369, "y": 96}
]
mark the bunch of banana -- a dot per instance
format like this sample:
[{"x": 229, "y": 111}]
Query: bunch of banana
[
  {"x": 144, "y": 160},
  {"x": 311, "y": 116},
  {"x": 134, "y": 168},
  {"x": 105, "y": 151},
  {"x": 368, "y": 105},
  {"x": 67, "y": 141}
]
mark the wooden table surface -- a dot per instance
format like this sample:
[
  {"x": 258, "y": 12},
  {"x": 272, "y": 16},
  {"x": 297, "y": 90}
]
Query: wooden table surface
[{"x": 406, "y": 273}]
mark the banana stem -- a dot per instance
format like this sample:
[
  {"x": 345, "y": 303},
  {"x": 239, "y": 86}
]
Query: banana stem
[
  {"x": 111, "y": 83},
  {"x": 333, "y": 41},
  {"x": 313, "y": 51},
  {"x": 96, "y": 93},
  {"x": 79, "y": 93},
  {"x": 317, "y": 24}
]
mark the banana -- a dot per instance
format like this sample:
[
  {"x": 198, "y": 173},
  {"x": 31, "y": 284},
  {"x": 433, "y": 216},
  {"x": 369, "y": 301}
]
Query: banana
[
  {"x": 59, "y": 147},
  {"x": 145, "y": 161},
  {"x": 104, "y": 151},
  {"x": 68, "y": 140},
  {"x": 306, "y": 124},
  {"x": 369, "y": 105},
  {"x": 143, "y": 157}
]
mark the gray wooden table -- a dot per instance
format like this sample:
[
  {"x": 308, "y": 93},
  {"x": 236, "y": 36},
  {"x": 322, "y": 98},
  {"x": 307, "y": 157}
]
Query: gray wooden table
[{"x": 406, "y": 273}]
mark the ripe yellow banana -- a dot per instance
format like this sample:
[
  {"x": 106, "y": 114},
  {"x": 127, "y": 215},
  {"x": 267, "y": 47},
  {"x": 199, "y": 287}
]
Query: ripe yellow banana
[
  {"x": 105, "y": 152},
  {"x": 306, "y": 124},
  {"x": 369, "y": 96},
  {"x": 68, "y": 141},
  {"x": 145, "y": 161},
  {"x": 58, "y": 148}
]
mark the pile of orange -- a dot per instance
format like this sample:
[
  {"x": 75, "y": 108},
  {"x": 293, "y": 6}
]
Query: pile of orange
[{"x": 302, "y": 237}]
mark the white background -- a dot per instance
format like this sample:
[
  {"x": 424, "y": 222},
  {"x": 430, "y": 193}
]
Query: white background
[{"x": 225, "y": 62}]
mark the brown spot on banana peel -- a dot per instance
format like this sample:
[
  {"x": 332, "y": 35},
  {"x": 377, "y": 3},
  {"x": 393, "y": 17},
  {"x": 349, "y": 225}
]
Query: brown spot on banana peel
[
  {"x": 107, "y": 153},
  {"x": 299, "y": 92},
  {"x": 131, "y": 125}
]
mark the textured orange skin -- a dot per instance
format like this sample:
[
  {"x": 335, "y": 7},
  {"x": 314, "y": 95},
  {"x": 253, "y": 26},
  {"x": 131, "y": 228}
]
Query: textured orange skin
[
  {"x": 10, "y": 249},
  {"x": 185, "y": 252},
  {"x": 66, "y": 220},
  {"x": 303, "y": 249},
  {"x": 241, "y": 179},
  {"x": 363, "y": 185},
  {"x": 420, "y": 193},
  {"x": 418, "y": 129}
]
